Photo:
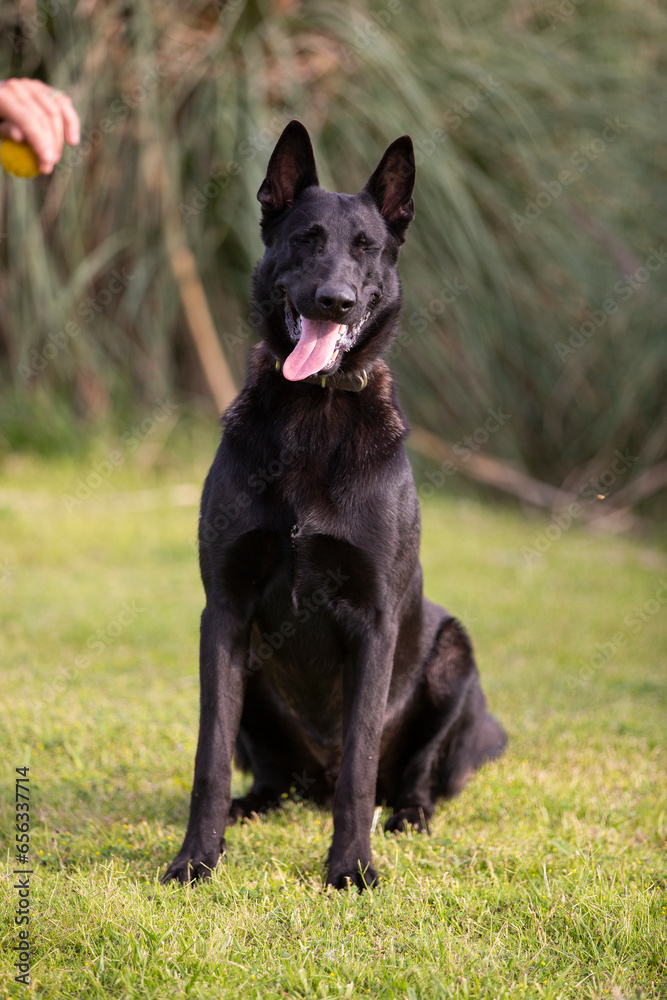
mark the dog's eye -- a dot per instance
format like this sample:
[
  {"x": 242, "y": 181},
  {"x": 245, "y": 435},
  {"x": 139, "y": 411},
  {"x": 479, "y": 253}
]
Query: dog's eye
[
  {"x": 361, "y": 242},
  {"x": 309, "y": 237}
]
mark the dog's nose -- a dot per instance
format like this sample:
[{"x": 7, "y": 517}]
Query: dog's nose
[{"x": 337, "y": 299}]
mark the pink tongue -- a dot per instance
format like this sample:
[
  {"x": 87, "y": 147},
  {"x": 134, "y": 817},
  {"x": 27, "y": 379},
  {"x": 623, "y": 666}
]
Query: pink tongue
[{"x": 316, "y": 345}]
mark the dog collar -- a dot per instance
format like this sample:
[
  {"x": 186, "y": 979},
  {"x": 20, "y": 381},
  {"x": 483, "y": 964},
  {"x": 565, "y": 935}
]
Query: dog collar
[{"x": 354, "y": 382}]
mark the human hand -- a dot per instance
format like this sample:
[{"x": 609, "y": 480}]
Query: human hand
[{"x": 32, "y": 112}]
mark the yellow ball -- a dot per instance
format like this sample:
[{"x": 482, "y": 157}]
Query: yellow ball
[{"x": 19, "y": 158}]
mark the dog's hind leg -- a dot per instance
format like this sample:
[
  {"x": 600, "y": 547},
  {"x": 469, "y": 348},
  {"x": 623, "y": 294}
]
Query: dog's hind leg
[
  {"x": 476, "y": 737},
  {"x": 449, "y": 732},
  {"x": 265, "y": 793}
]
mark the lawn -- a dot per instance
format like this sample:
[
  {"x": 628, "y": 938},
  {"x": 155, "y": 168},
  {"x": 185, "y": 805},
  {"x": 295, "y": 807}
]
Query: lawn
[{"x": 544, "y": 879}]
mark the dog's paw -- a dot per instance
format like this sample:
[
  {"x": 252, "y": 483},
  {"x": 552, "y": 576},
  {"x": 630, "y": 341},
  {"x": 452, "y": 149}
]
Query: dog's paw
[
  {"x": 253, "y": 804},
  {"x": 359, "y": 877},
  {"x": 240, "y": 809},
  {"x": 191, "y": 865},
  {"x": 413, "y": 816}
]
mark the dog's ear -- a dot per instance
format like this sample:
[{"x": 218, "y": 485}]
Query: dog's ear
[
  {"x": 291, "y": 169},
  {"x": 392, "y": 184}
]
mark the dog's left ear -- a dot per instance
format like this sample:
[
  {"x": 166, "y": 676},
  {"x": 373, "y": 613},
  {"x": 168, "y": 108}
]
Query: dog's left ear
[
  {"x": 392, "y": 184},
  {"x": 291, "y": 169}
]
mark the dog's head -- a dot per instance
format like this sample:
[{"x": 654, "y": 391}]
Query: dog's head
[{"x": 327, "y": 288}]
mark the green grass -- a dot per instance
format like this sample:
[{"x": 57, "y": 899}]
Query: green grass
[{"x": 545, "y": 879}]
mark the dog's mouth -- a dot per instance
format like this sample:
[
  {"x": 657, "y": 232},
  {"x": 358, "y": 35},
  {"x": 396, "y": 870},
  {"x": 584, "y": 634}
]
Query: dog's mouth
[{"x": 318, "y": 343}]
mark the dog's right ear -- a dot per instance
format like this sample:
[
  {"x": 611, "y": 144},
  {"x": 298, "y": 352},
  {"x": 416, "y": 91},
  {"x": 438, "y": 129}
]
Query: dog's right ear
[{"x": 291, "y": 169}]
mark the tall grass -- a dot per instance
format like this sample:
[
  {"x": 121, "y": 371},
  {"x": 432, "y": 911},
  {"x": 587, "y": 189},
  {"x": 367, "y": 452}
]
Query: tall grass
[{"x": 512, "y": 285}]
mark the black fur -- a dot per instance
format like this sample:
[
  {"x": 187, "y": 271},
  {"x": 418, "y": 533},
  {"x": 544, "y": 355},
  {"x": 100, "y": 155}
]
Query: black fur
[{"x": 322, "y": 664}]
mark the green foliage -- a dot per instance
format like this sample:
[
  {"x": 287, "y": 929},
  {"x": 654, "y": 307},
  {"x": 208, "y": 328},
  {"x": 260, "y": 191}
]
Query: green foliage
[
  {"x": 544, "y": 879},
  {"x": 513, "y": 272}
]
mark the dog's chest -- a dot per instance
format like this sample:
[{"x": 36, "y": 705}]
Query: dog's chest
[
  {"x": 307, "y": 623},
  {"x": 318, "y": 574},
  {"x": 299, "y": 639}
]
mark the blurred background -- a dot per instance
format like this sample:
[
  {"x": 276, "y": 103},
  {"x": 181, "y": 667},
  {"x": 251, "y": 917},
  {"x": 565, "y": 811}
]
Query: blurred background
[{"x": 533, "y": 350}]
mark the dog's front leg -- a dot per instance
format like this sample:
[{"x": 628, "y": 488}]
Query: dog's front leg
[
  {"x": 366, "y": 686},
  {"x": 222, "y": 659}
]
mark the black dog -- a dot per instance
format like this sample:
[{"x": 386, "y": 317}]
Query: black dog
[{"x": 321, "y": 662}]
